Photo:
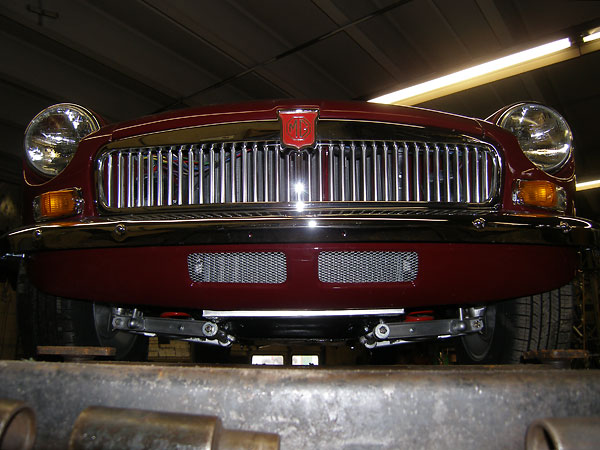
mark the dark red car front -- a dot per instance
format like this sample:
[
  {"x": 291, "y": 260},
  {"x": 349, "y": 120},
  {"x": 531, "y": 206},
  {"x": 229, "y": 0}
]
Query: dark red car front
[{"x": 321, "y": 221}]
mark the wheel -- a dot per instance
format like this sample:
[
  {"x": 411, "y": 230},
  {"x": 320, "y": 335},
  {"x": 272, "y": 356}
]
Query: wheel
[
  {"x": 512, "y": 327},
  {"x": 50, "y": 320}
]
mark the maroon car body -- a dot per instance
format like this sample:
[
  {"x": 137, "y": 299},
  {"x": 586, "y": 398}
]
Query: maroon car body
[{"x": 134, "y": 251}]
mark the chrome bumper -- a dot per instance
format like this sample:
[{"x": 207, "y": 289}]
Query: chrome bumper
[{"x": 139, "y": 232}]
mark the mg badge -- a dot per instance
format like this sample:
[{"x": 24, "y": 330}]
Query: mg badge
[{"x": 298, "y": 127}]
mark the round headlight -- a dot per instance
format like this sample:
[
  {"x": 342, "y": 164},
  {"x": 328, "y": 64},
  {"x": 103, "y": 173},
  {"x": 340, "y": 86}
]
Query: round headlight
[
  {"x": 544, "y": 135},
  {"x": 52, "y": 137}
]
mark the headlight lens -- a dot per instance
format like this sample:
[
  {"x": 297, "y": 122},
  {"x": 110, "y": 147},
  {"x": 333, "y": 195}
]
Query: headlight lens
[
  {"x": 52, "y": 137},
  {"x": 543, "y": 134}
]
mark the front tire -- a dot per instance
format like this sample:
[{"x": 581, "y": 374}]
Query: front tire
[
  {"x": 513, "y": 327},
  {"x": 48, "y": 320}
]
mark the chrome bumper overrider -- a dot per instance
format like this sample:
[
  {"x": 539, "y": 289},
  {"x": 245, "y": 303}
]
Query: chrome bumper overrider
[{"x": 137, "y": 232}]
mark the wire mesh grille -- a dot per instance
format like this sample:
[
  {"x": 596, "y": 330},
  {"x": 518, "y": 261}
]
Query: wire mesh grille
[
  {"x": 238, "y": 267},
  {"x": 368, "y": 267}
]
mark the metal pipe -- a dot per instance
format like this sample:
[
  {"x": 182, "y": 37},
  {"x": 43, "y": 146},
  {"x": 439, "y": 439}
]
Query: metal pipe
[
  {"x": 17, "y": 425},
  {"x": 353, "y": 163},
  {"x": 448, "y": 185},
  {"x": 563, "y": 433},
  {"x": 150, "y": 201},
  {"x": 255, "y": 172},
  {"x": 417, "y": 173},
  {"x": 427, "y": 177},
  {"x": 477, "y": 176},
  {"x": 222, "y": 173},
  {"x": 406, "y": 174},
  {"x": 130, "y": 180},
  {"x": 120, "y": 179},
  {"x": 170, "y": 176},
  {"x": 244, "y": 173},
  {"x": 375, "y": 173},
  {"x": 191, "y": 175},
  {"x": 160, "y": 178},
  {"x": 278, "y": 151},
  {"x": 110, "y": 179},
  {"x": 201, "y": 174},
  {"x": 364, "y": 170},
  {"x": 140, "y": 179},
  {"x": 438, "y": 188},
  {"x": 211, "y": 174},
  {"x": 386, "y": 178},
  {"x": 331, "y": 172},
  {"x": 467, "y": 167},
  {"x": 320, "y": 171},
  {"x": 180, "y": 176},
  {"x": 266, "y": 196},
  {"x": 118, "y": 428},
  {"x": 232, "y": 166},
  {"x": 309, "y": 176}
]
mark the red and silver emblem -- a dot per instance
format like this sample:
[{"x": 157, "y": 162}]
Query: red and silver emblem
[{"x": 298, "y": 127}]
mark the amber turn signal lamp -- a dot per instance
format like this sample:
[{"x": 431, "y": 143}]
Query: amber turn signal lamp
[
  {"x": 540, "y": 193},
  {"x": 56, "y": 204}
]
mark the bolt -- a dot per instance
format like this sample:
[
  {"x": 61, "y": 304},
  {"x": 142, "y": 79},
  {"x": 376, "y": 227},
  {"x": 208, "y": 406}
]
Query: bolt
[
  {"x": 120, "y": 229},
  {"x": 564, "y": 226},
  {"x": 37, "y": 234},
  {"x": 412, "y": 330},
  {"x": 382, "y": 331},
  {"x": 209, "y": 329},
  {"x": 479, "y": 223},
  {"x": 181, "y": 328}
]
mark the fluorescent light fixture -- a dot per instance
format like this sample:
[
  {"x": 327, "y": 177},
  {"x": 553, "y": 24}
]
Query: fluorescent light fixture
[
  {"x": 483, "y": 73},
  {"x": 592, "y": 37},
  {"x": 595, "y": 184}
]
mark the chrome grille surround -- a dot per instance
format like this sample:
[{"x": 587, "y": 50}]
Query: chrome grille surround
[
  {"x": 368, "y": 267},
  {"x": 238, "y": 267},
  {"x": 452, "y": 171}
]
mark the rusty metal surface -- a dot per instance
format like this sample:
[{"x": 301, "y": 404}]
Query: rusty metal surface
[
  {"x": 17, "y": 425},
  {"x": 64, "y": 350},
  {"x": 104, "y": 428},
  {"x": 467, "y": 408},
  {"x": 581, "y": 433},
  {"x": 550, "y": 355}
]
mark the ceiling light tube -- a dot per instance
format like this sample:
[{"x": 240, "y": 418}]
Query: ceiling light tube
[
  {"x": 588, "y": 185},
  {"x": 592, "y": 37},
  {"x": 506, "y": 66}
]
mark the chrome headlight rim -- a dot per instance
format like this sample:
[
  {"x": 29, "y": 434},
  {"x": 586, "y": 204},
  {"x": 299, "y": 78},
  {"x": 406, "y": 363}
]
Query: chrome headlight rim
[
  {"x": 90, "y": 119},
  {"x": 528, "y": 152}
]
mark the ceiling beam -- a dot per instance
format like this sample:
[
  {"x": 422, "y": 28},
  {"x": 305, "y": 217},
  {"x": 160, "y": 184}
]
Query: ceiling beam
[{"x": 13, "y": 25}]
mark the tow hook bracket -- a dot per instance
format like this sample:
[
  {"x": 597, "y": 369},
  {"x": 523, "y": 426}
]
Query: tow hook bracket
[
  {"x": 201, "y": 330},
  {"x": 387, "y": 333}
]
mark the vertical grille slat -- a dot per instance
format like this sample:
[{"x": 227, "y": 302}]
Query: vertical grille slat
[{"x": 265, "y": 171}]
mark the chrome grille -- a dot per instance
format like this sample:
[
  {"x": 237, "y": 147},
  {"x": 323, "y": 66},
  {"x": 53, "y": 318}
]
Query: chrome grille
[
  {"x": 237, "y": 267},
  {"x": 368, "y": 267},
  {"x": 264, "y": 171}
]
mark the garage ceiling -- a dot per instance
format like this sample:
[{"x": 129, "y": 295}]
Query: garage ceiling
[{"x": 129, "y": 58}]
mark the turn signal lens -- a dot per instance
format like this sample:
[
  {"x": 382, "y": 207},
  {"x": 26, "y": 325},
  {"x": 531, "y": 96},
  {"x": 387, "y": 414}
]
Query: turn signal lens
[
  {"x": 540, "y": 193},
  {"x": 55, "y": 204}
]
